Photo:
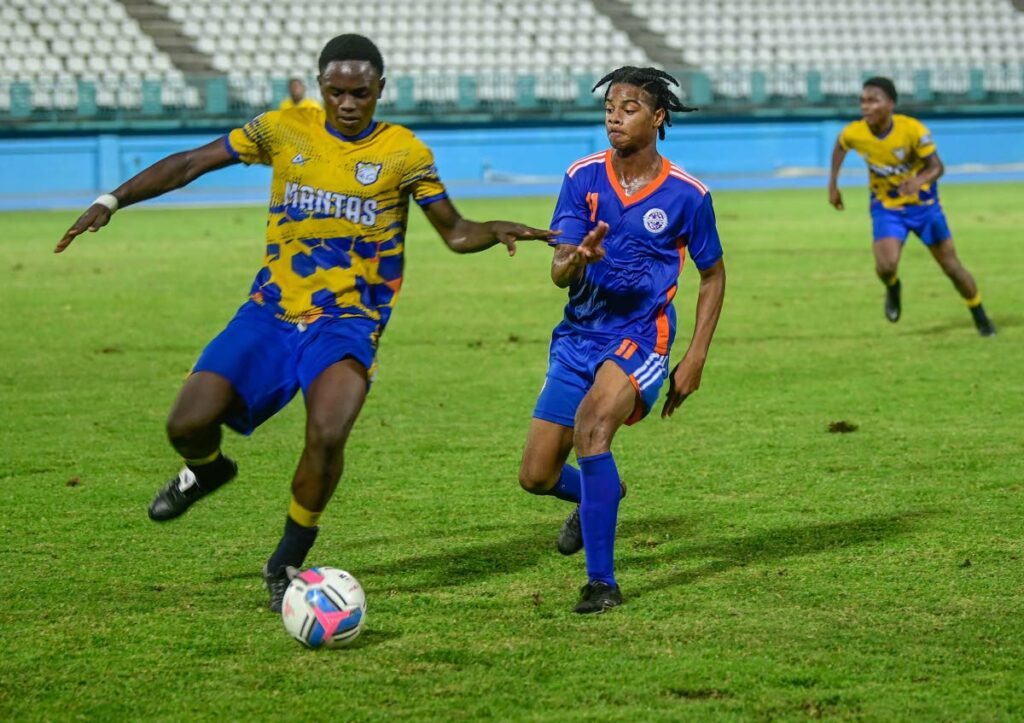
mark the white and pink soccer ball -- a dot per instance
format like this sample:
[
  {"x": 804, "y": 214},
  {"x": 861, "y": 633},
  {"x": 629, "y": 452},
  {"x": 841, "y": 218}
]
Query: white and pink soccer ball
[{"x": 324, "y": 607}]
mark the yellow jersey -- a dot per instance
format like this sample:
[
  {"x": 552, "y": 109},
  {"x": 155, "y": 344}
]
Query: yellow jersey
[
  {"x": 338, "y": 212},
  {"x": 288, "y": 104},
  {"x": 893, "y": 158}
]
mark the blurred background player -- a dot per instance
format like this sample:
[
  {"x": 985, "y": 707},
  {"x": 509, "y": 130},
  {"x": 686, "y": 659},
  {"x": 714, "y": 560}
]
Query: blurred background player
[
  {"x": 627, "y": 217},
  {"x": 903, "y": 170},
  {"x": 297, "y": 96},
  {"x": 332, "y": 270}
]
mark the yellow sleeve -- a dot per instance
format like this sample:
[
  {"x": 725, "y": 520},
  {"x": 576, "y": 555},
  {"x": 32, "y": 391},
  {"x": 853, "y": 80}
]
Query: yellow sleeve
[
  {"x": 846, "y": 137},
  {"x": 924, "y": 145},
  {"x": 254, "y": 142},
  {"x": 420, "y": 176}
]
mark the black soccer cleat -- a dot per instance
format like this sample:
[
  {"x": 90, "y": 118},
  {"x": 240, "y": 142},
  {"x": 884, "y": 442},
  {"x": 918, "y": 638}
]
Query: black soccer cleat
[
  {"x": 982, "y": 322},
  {"x": 277, "y": 583},
  {"x": 597, "y": 596},
  {"x": 893, "y": 305},
  {"x": 180, "y": 493},
  {"x": 570, "y": 537}
]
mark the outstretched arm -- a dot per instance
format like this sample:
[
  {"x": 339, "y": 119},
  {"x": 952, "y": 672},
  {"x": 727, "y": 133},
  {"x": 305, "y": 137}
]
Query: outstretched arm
[
  {"x": 172, "y": 172},
  {"x": 685, "y": 377},
  {"x": 466, "y": 237},
  {"x": 834, "y": 196}
]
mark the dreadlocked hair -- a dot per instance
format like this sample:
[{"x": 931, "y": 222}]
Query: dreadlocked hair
[{"x": 655, "y": 82}]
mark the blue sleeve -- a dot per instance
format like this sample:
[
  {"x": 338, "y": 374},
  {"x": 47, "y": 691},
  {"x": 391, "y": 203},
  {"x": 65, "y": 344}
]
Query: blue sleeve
[
  {"x": 571, "y": 215},
  {"x": 702, "y": 242}
]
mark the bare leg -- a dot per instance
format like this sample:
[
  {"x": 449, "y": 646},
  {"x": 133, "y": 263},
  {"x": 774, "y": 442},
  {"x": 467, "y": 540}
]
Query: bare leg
[
  {"x": 333, "y": 402},
  {"x": 547, "y": 447},
  {"x": 193, "y": 426},
  {"x": 944, "y": 254},
  {"x": 887, "y": 258}
]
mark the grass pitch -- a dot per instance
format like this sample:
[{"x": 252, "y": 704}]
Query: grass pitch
[{"x": 772, "y": 570}]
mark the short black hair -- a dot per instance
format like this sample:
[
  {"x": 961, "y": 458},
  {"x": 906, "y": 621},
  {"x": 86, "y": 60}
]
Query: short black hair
[
  {"x": 351, "y": 47},
  {"x": 883, "y": 84},
  {"x": 655, "y": 82}
]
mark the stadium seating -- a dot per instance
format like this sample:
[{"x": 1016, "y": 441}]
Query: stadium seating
[
  {"x": 92, "y": 57},
  {"x": 842, "y": 40},
  {"x": 63, "y": 48},
  {"x": 432, "y": 41}
]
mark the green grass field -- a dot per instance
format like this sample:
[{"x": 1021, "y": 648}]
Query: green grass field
[{"x": 772, "y": 570}]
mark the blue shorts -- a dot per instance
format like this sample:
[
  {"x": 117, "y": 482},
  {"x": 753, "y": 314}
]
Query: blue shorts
[
  {"x": 928, "y": 222},
  {"x": 572, "y": 366},
  {"x": 268, "y": 360}
]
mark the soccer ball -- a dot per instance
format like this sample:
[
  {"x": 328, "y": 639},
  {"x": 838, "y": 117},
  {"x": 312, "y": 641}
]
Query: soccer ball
[{"x": 324, "y": 607}]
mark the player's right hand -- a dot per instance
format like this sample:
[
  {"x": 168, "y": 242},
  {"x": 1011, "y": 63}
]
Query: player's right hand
[
  {"x": 590, "y": 249},
  {"x": 835, "y": 198},
  {"x": 95, "y": 217}
]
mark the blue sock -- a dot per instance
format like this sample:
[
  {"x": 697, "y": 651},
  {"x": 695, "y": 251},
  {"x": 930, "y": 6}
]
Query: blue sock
[
  {"x": 599, "y": 510},
  {"x": 568, "y": 487}
]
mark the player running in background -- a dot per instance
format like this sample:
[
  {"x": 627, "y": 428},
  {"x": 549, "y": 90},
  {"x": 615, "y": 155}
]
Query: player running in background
[
  {"x": 297, "y": 96},
  {"x": 627, "y": 218},
  {"x": 903, "y": 171},
  {"x": 332, "y": 271}
]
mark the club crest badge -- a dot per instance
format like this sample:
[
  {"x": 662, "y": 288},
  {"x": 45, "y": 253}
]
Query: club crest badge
[
  {"x": 899, "y": 153},
  {"x": 367, "y": 173},
  {"x": 655, "y": 220}
]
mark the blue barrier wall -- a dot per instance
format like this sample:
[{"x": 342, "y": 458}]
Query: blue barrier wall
[{"x": 57, "y": 173}]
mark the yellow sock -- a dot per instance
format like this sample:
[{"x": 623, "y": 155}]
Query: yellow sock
[
  {"x": 893, "y": 281},
  {"x": 973, "y": 301},
  {"x": 304, "y": 517},
  {"x": 202, "y": 460}
]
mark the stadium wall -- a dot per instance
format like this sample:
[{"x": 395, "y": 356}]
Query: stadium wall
[{"x": 69, "y": 172}]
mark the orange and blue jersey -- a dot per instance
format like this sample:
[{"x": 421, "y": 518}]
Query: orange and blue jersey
[
  {"x": 620, "y": 309},
  {"x": 630, "y": 291},
  {"x": 338, "y": 212},
  {"x": 892, "y": 158}
]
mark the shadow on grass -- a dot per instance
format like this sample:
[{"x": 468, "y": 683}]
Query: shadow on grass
[
  {"x": 463, "y": 563},
  {"x": 1001, "y": 321},
  {"x": 774, "y": 544}
]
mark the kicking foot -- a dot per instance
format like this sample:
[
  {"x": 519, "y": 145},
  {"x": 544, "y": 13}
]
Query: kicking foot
[
  {"x": 277, "y": 583},
  {"x": 893, "y": 305},
  {"x": 570, "y": 537},
  {"x": 982, "y": 322},
  {"x": 597, "y": 596},
  {"x": 180, "y": 493}
]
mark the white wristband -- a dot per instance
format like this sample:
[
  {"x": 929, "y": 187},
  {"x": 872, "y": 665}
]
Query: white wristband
[{"x": 109, "y": 200}]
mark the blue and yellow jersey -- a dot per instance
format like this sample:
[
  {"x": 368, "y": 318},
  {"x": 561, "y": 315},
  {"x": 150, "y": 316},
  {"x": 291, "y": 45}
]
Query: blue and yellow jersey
[
  {"x": 893, "y": 158},
  {"x": 338, "y": 212},
  {"x": 288, "y": 104}
]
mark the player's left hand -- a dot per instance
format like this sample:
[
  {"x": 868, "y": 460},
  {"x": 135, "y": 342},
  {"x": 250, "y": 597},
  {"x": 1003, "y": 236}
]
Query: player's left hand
[
  {"x": 508, "y": 233},
  {"x": 910, "y": 186},
  {"x": 683, "y": 381}
]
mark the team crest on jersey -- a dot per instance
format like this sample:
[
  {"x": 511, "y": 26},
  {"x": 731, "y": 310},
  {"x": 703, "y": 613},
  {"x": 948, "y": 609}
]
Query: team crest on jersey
[
  {"x": 367, "y": 173},
  {"x": 655, "y": 220},
  {"x": 899, "y": 153}
]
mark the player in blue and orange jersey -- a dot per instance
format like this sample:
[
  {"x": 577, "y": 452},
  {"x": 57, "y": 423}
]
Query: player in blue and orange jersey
[
  {"x": 627, "y": 217},
  {"x": 332, "y": 270},
  {"x": 903, "y": 171}
]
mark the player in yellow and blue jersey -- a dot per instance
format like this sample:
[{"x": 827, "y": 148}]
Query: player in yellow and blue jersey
[
  {"x": 332, "y": 270},
  {"x": 627, "y": 217},
  {"x": 903, "y": 171},
  {"x": 297, "y": 96}
]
